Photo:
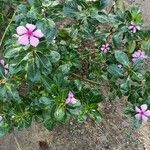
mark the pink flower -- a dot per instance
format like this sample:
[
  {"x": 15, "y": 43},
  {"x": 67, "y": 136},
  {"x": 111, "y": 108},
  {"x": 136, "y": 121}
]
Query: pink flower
[
  {"x": 5, "y": 66},
  {"x": 133, "y": 27},
  {"x": 105, "y": 48},
  {"x": 71, "y": 99},
  {"x": 139, "y": 55},
  {"x": 29, "y": 34},
  {"x": 142, "y": 113}
]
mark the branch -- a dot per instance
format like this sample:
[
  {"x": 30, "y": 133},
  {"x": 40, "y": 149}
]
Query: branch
[
  {"x": 18, "y": 145},
  {"x": 1, "y": 41},
  {"x": 87, "y": 80}
]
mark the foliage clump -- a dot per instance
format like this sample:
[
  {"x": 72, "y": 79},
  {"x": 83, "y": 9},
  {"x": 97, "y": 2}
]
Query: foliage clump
[{"x": 57, "y": 55}]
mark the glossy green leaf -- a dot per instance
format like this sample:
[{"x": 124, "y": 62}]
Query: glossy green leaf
[
  {"x": 115, "y": 70},
  {"x": 54, "y": 56},
  {"x": 122, "y": 58},
  {"x": 117, "y": 38},
  {"x": 104, "y": 3},
  {"x": 59, "y": 114}
]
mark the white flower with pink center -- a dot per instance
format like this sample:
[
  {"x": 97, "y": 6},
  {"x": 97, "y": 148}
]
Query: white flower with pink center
[
  {"x": 5, "y": 66},
  {"x": 29, "y": 34},
  {"x": 133, "y": 27},
  {"x": 142, "y": 113},
  {"x": 105, "y": 47}
]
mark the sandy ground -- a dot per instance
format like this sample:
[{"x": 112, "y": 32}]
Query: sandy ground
[{"x": 114, "y": 133}]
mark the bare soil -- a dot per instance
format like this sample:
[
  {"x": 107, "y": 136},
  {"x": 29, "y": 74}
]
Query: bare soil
[{"x": 114, "y": 133}]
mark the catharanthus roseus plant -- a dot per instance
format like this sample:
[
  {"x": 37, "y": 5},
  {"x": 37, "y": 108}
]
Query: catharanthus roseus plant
[{"x": 57, "y": 55}]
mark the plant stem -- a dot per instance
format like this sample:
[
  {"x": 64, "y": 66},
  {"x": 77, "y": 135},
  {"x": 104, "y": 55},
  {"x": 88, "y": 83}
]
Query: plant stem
[
  {"x": 18, "y": 145},
  {"x": 86, "y": 80},
  {"x": 1, "y": 41}
]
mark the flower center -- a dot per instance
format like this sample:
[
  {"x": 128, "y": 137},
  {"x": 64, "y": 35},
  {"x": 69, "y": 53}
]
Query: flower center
[
  {"x": 29, "y": 33},
  {"x": 142, "y": 113},
  {"x": 71, "y": 97}
]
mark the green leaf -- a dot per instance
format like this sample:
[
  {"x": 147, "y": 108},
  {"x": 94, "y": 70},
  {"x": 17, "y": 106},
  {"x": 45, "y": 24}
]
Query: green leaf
[
  {"x": 101, "y": 17},
  {"x": 90, "y": 95},
  {"x": 125, "y": 85},
  {"x": 131, "y": 46},
  {"x": 49, "y": 124},
  {"x": 45, "y": 64},
  {"x": 46, "y": 81},
  {"x": 3, "y": 129},
  {"x": 136, "y": 123},
  {"x": 117, "y": 38},
  {"x": 38, "y": 118},
  {"x": 59, "y": 114},
  {"x": 120, "y": 5},
  {"x": 1, "y": 71},
  {"x": 146, "y": 45},
  {"x": 137, "y": 76},
  {"x": 22, "y": 9},
  {"x": 50, "y": 33},
  {"x": 78, "y": 84},
  {"x": 64, "y": 69},
  {"x": 33, "y": 73},
  {"x": 12, "y": 52},
  {"x": 82, "y": 117},
  {"x": 70, "y": 8},
  {"x": 145, "y": 34},
  {"x": 54, "y": 56},
  {"x": 115, "y": 70},
  {"x": 136, "y": 14},
  {"x": 113, "y": 95},
  {"x": 104, "y": 3},
  {"x": 122, "y": 58},
  {"x": 31, "y": 2},
  {"x": 45, "y": 101},
  {"x": 96, "y": 115},
  {"x": 138, "y": 64}
]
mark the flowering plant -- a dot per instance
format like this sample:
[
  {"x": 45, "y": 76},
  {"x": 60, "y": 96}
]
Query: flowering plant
[{"x": 57, "y": 55}]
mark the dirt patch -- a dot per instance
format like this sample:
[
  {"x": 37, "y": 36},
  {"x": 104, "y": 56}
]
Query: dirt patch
[{"x": 114, "y": 133}]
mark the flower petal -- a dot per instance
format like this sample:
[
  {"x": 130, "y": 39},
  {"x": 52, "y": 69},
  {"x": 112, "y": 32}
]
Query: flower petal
[
  {"x": 147, "y": 113},
  {"x": 102, "y": 48},
  {"x": 1, "y": 118},
  {"x": 144, "y": 118},
  {"x": 31, "y": 27},
  {"x": 23, "y": 40},
  {"x": 134, "y": 30},
  {"x": 107, "y": 44},
  {"x": 6, "y": 66},
  {"x": 2, "y": 62},
  {"x": 138, "y": 116},
  {"x": 130, "y": 27},
  {"x": 34, "y": 41},
  {"x": 105, "y": 50},
  {"x": 70, "y": 94},
  {"x": 73, "y": 101},
  {"x": 21, "y": 30},
  {"x": 108, "y": 48},
  {"x": 38, "y": 33},
  {"x": 137, "y": 109},
  {"x": 138, "y": 27},
  {"x": 144, "y": 107},
  {"x": 6, "y": 71}
]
